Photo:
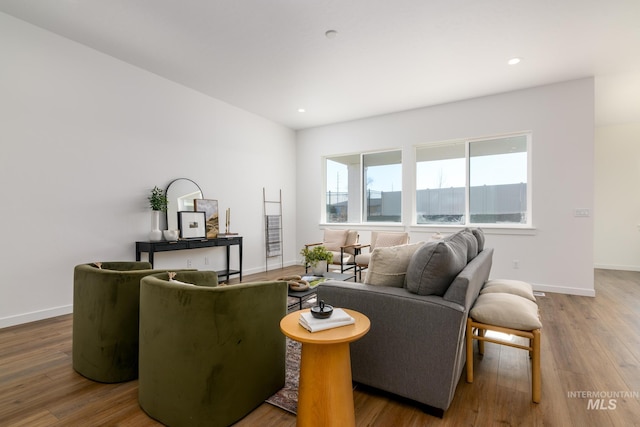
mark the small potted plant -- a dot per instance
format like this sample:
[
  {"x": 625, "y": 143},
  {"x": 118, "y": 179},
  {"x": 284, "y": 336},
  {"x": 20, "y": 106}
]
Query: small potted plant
[
  {"x": 317, "y": 258},
  {"x": 158, "y": 202}
]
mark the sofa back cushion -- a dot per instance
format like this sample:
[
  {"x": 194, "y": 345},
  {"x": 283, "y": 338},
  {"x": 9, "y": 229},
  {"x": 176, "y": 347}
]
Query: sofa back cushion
[
  {"x": 434, "y": 266},
  {"x": 472, "y": 244},
  {"x": 479, "y": 234},
  {"x": 388, "y": 266}
]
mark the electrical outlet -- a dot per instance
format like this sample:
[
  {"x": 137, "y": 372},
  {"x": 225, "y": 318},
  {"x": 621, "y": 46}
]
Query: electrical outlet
[
  {"x": 516, "y": 264},
  {"x": 189, "y": 263},
  {"x": 206, "y": 260},
  {"x": 581, "y": 212}
]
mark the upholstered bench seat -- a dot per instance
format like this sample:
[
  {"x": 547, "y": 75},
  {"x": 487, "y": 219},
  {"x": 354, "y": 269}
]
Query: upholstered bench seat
[
  {"x": 510, "y": 313},
  {"x": 508, "y": 286},
  {"x": 506, "y": 310}
]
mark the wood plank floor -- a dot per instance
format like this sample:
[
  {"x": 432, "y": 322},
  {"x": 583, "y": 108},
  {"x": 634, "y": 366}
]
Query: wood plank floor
[{"x": 589, "y": 345}]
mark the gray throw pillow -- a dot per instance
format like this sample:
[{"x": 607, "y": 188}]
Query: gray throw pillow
[
  {"x": 434, "y": 266},
  {"x": 469, "y": 239}
]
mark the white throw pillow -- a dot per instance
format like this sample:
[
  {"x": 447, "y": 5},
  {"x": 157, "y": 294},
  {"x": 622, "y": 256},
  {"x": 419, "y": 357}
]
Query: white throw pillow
[{"x": 388, "y": 266}]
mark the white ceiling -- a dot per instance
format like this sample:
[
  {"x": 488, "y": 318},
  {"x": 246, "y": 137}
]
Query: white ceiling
[{"x": 271, "y": 57}]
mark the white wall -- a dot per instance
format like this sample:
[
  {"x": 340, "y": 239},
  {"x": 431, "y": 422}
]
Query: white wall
[
  {"x": 617, "y": 223},
  {"x": 556, "y": 256},
  {"x": 85, "y": 137}
]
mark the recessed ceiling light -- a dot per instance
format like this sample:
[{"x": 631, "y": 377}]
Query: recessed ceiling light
[
  {"x": 514, "y": 61},
  {"x": 331, "y": 34},
  {"x": 301, "y": 110}
]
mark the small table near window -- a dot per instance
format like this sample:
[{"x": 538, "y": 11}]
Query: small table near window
[{"x": 325, "y": 394}]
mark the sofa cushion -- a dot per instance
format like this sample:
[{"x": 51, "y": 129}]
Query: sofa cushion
[
  {"x": 472, "y": 243},
  {"x": 363, "y": 259},
  {"x": 388, "y": 266},
  {"x": 434, "y": 266},
  {"x": 333, "y": 239},
  {"x": 479, "y": 237},
  {"x": 514, "y": 287},
  {"x": 507, "y": 310}
]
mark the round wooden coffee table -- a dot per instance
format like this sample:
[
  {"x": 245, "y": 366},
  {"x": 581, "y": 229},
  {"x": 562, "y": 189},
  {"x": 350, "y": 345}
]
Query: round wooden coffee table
[{"x": 325, "y": 394}]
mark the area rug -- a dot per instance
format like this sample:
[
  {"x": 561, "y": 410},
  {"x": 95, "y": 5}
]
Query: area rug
[{"x": 287, "y": 397}]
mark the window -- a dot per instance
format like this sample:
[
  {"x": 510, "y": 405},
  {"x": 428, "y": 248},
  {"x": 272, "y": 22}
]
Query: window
[
  {"x": 340, "y": 178},
  {"x": 440, "y": 184},
  {"x": 498, "y": 181},
  {"x": 474, "y": 182},
  {"x": 365, "y": 186},
  {"x": 382, "y": 177}
]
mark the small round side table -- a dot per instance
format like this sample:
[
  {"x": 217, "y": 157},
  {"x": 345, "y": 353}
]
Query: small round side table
[{"x": 325, "y": 394}]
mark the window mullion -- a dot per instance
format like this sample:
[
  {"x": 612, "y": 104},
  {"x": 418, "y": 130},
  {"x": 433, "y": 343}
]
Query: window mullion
[{"x": 467, "y": 190}]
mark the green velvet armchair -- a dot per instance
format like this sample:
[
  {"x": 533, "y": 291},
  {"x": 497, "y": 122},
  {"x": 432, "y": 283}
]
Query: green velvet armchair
[
  {"x": 105, "y": 319},
  {"x": 209, "y": 354}
]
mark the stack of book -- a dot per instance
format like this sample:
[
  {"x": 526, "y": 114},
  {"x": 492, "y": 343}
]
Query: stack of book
[{"x": 337, "y": 319}]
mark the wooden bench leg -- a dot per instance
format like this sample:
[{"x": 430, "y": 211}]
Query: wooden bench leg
[
  {"x": 481, "y": 333},
  {"x": 533, "y": 349},
  {"x": 469, "y": 338},
  {"x": 536, "y": 383}
]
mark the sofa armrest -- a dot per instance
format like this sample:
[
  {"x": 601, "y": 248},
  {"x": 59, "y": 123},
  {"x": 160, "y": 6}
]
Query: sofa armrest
[{"x": 466, "y": 286}]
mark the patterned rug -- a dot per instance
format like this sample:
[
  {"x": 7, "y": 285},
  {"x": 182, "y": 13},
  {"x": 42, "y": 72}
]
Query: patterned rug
[{"x": 287, "y": 397}]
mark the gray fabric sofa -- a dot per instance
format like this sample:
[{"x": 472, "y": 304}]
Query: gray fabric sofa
[{"x": 416, "y": 345}]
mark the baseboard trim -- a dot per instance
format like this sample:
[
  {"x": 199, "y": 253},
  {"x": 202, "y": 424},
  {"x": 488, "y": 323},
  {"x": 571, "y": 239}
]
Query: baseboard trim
[
  {"x": 564, "y": 290},
  {"x": 261, "y": 269},
  {"x": 617, "y": 267},
  {"x": 33, "y": 316}
]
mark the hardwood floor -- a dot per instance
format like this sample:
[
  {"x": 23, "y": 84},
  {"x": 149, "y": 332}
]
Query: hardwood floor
[{"x": 589, "y": 345}]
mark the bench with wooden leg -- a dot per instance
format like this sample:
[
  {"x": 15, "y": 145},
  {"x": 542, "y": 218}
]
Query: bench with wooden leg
[{"x": 510, "y": 314}]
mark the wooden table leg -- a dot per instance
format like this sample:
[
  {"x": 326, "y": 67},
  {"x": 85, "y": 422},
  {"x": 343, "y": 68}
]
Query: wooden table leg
[{"x": 325, "y": 396}]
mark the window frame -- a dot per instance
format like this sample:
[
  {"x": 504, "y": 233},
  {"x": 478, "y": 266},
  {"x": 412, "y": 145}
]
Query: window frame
[
  {"x": 528, "y": 224},
  {"x": 361, "y": 196}
]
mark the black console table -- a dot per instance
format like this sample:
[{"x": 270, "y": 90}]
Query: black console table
[{"x": 227, "y": 242}]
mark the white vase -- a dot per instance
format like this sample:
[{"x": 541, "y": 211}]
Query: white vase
[
  {"x": 155, "y": 235},
  {"x": 319, "y": 269}
]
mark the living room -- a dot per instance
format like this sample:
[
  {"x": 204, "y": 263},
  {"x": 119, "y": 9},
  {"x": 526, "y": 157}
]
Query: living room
[{"x": 87, "y": 135}]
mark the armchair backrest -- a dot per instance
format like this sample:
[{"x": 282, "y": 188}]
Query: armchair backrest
[
  {"x": 106, "y": 298},
  {"x": 384, "y": 239},
  {"x": 352, "y": 239},
  {"x": 334, "y": 239},
  {"x": 209, "y": 354}
]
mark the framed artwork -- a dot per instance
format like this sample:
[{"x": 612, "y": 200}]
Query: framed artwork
[
  {"x": 191, "y": 224},
  {"x": 210, "y": 209}
]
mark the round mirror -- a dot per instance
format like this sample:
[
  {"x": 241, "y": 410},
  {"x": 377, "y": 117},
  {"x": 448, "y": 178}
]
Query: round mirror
[{"x": 180, "y": 193}]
